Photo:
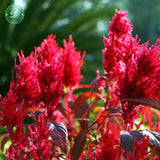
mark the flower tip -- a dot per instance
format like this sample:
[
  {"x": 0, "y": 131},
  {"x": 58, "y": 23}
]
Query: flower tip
[
  {"x": 97, "y": 73},
  {"x": 70, "y": 38}
]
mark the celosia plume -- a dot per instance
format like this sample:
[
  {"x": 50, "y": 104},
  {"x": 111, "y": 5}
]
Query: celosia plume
[
  {"x": 130, "y": 66},
  {"x": 50, "y": 71},
  {"x": 108, "y": 147},
  {"x": 72, "y": 63},
  {"x": 27, "y": 85}
]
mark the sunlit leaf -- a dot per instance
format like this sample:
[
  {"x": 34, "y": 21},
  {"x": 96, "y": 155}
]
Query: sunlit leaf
[
  {"x": 34, "y": 109},
  {"x": 118, "y": 120},
  {"x": 81, "y": 99},
  {"x": 153, "y": 136},
  {"x": 59, "y": 134},
  {"x": 102, "y": 117},
  {"x": 97, "y": 109}
]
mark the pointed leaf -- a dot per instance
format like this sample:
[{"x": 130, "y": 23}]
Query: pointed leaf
[
  {"x": 78, "y": 146},
  {"x": 118, "y": 120},
  {"x": 127, "y": 141},
  {"x": 154, "y": 103},
  {"x": 136, "y": 134},
  {"x": 157, "y": 135},
  {"x": 81, "y": 99},
  {"x": 59, "y": 134},
  {"x": 34, "y": 109},
  {"x": 103, "y": 116},
  {"x": 83, "y": 112},
  {"x": 153, "y": 136}
]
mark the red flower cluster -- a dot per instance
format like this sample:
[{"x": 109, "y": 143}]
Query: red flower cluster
[
  {"x": 72, "y": 63},
  {"x": 50, "y": 71},
  {"x": 27, "y": 84},
  {"x": 40, "y": 144},
  {"x": 131, "y": 68},
  {"x": 109, "y": 147},
  {"x": 35, "y": 93}
]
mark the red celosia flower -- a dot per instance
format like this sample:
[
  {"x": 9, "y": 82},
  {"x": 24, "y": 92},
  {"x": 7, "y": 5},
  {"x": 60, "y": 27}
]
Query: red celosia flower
[
  {"x": 72, "y": 63},
  {"x": 120, "y": 25},
  {"x": 40, "y": 145},
  {"x": 108, "y": 148},
  {"x": 131, "y": 68},
  {"x": 12, "y": 112},
  {"x": 19, "y": 147},
  {"x": 50, "y": 71},
  {"x": 138, "y": 78},
  {"x": 119, "y": 30},
  {"x": 27, "y": 85},
  {"x": 140, "y": 150}
]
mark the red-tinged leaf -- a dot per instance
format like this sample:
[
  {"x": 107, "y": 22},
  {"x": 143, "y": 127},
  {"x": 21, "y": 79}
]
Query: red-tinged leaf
[
  {"x": 83, "y": 112},
  {"x": 118, "y": 120},
  {"x": 102, "y": 118},
  {"x": 82, "y": 86},
  {"x": 104, "y": 114},
  {"x": 59, "y": 134},
  {"x": 154, "y": 103},
  {"x": 3, "y": 142},
  {"x": 154, "y": 137},
  {"x": 81, "y": 99},
  {"x": 148, "y": 112},
  {"x": 66, "y": 102},
  {"x": 34, "y": 109},
  {"x": 80, "y": 141}
]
